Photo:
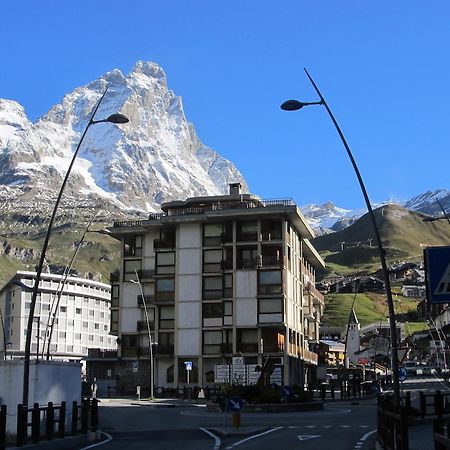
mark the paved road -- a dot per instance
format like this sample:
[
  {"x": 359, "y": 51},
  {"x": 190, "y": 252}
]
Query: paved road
[{"x": 341, "y": 426}]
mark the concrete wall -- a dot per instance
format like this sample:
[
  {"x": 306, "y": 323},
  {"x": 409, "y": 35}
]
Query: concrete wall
[{"x": 50, "y": 381}]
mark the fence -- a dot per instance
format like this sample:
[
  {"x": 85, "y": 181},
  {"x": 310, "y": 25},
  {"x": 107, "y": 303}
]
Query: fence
[
  {"x": 341, "y": 391},
  {"x": 392, "y": 429},
  {"x": 441, "y": 435},
  {"x": 38, "y": 423}
]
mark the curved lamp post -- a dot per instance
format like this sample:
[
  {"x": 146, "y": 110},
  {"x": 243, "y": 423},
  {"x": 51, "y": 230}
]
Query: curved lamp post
[
  {"x": 114, "y": 118},
  {"x": 293, "y": 105},
  {"x": 150, "y": 342}
]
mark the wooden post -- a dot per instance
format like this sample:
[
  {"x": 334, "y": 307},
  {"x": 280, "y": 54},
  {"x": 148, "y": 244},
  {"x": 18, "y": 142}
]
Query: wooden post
[
  {"x": 62, "y": 420},
  {"x": 438, "y": 404},
  {"x": 35, "y": 423},
  {"x": 22, "y": 424},
  {"x": 423, "y": 404},
  {"x": 94, "y": 415},
  {"x": 50, "y": 421},
  {"x": 74, "y": 418},
  {"x": 2, "y": 427}
]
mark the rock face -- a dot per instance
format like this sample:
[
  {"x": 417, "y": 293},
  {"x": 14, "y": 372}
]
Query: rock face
[{"x": 155, "y": 157}]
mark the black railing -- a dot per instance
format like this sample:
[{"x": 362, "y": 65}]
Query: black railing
[
  {"x": 247, "y": 348},
  {"x": 271, "y": 235},
  {"x": 165, "y": 349},
  {"x": 441, "y": 434},
  {"x": 164, "y": 243},
  {"x": 247, "y": 237},
  {"x": 39, "y": 423},
  {"x": 249, "y": 263},
  {"x": 392, "y": 424},
  {"x": 272, "y": 261},
  {"x": 148, "y": 300},
  {"x": 146, "y": 274},
  {"x": 128, "y": 223},
  {"x": 142, "y": 325},
  {"x": 226, "y": 348}
]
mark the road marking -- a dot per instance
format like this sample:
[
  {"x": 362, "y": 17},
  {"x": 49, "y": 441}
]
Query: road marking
[
  {"x": 306, "y": 437},
  {"x": 345, "y": 426},
  {"x": 311, "y": 426},
  {"x": 217, "y": 441},
  {"x": 108, "y": 438},
  {"x": 360, "y": 443},
  {"x": 254, "y": 437}
]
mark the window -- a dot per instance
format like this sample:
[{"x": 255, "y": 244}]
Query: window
[
  {"x": 77, "y": 310},
  {"x": 212, "y": 234},
  {"x": 212, "y": 310},
  {"x": 114, "y": 321},
  {"x": 165, "y": 263},
  {"x": 96, "y": 326},
  {"x": 62, "y": 334},
  {"x": 130, "y": 267},
  {"x": 227, "y": 308},
  {"x": 165, "y": 289},
  {"x": 78, "y": 336},
  {"x": 212, "y": 260},
  {"x": 269, "y": 282},
  {"x": 270, "y": 305},
  {"x": 211, "y": 342},
  {"x": 166, "y": 343},
  {"x": 85, "y": 324},
  {"x": 91, "y": 312},
  {"x": 167, "y": 317},
  {"x": 132, "y": 246},
  {"x": 247, "y": 230},
  {"x": 228, "y": 285},
  {"x": 212, "y": 287},
  {"x": 63, "y": 308},
  {"x": 115, "y": 295}
]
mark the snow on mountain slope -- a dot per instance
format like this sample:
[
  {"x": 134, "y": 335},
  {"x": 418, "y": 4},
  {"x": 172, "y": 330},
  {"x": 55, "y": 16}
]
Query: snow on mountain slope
[{"x": 155, "y": 157}]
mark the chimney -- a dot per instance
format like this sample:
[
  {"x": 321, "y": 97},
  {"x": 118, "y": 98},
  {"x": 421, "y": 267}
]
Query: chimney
[{"x": 235, "y": 188}]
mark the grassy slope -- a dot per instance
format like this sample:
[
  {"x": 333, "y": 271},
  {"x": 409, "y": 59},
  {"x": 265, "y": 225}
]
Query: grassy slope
[{"x": 369, "y": 308}]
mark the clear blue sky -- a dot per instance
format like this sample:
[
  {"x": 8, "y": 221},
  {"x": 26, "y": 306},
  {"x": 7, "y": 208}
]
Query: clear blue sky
[{"x": 383, "y": 67}]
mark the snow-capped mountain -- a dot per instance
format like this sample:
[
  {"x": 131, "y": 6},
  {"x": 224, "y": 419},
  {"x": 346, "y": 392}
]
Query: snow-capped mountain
[
  {"x": 328, "y": 218},
  {"x": 155, "y": 157}
]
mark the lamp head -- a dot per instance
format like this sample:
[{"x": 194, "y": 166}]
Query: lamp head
[
  {"x": 292, "y": 105},
  {"x": 117, "y": 118}
]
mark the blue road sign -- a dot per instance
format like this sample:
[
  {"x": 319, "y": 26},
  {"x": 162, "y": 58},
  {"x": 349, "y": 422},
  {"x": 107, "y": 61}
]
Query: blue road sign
[
  {"x": 402, "y": 375},
  {"x": 437, "y": 272},
  {"x": 235, "y": 404},
  {"x": 286, "y": 390},
  {"x": 188, "y": 365}
]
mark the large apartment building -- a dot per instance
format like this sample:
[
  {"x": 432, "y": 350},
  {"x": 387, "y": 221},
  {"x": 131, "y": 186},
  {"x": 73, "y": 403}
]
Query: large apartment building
[
  {"x": 78, "y": 308},
  {"x": 221, "y": 276}
]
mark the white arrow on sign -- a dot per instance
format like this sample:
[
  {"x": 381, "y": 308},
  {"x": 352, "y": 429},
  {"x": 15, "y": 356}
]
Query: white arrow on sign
[
  {"x": 235, "y": 404},
  {"x": 305, "y": 437}
]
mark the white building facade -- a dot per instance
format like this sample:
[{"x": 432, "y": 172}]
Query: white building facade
[
  {"x": 78, "y": 308},
  {"x": 222, "y": 276}
]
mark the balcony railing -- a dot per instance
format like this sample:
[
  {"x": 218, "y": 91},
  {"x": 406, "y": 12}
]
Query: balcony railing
[
  {"x": 227, "y": 264},
  {"x": 164, "y": 349},
  {"x": 164, "y": 243},
  {"x": 272, "y": 261},
  {"x": 248, "y": 263},
  {"x": 274, "y": 235},
  {"x": 247, "y": 348},
  {"x": 226, "y": 348},
  {"x": 128, "y": 223},
  {"x": 142, "y": 325},
  {"x": 148, "y": 299},
  {"x": 247, "y": 237},
  {"x": 317, "y": 295},
  {"x": 146, "y": 274},
  {"x": 273, "y": 347}
]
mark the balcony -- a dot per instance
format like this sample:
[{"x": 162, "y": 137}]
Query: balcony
[
  {"x": 273, "y": 347},
  {"x": 248, "y": 347},
  {"x": 309, "y": 312},
  {"x": 272, "y": 261},
  {"x": 142, "y": 325},
  {"x": 148, "y": 300},
  {"x": 315, "y": 293},
  {"x": 247, "y": 237},
  {"x": 226, "y": 348},
  {"x": 165, "y": 349},
  {"x": 146, "y": 274},
  {"x": 163, "y": 243},
  {"x": 248, "y": 263},
  {"x": 227, "y": 264},
  {"x": 271, "y": 235}
]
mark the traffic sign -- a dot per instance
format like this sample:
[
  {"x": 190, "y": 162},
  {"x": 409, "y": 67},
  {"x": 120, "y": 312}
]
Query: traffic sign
[
  {"x": 437, "y": 274},
  {"x": 188, "y": 365},
  {"x": 235, "y": 404},
  {"x": 402, "y": 375},
  {"x": 286, "y": 390}
]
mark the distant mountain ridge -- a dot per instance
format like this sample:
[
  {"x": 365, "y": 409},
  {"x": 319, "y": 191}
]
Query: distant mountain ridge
[{"x": 328, "y": 218}]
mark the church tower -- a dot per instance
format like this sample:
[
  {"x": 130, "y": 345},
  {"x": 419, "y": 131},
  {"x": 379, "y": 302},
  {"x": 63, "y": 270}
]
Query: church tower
[{"x": 353, "y": 337}]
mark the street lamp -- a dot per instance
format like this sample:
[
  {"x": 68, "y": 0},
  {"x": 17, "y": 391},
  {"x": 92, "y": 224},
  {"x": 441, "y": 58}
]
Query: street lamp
[
  {"x": 114, "y": 118},
  {"x": 150, "y": 343},
  {"x": 293, "y": 105}
]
